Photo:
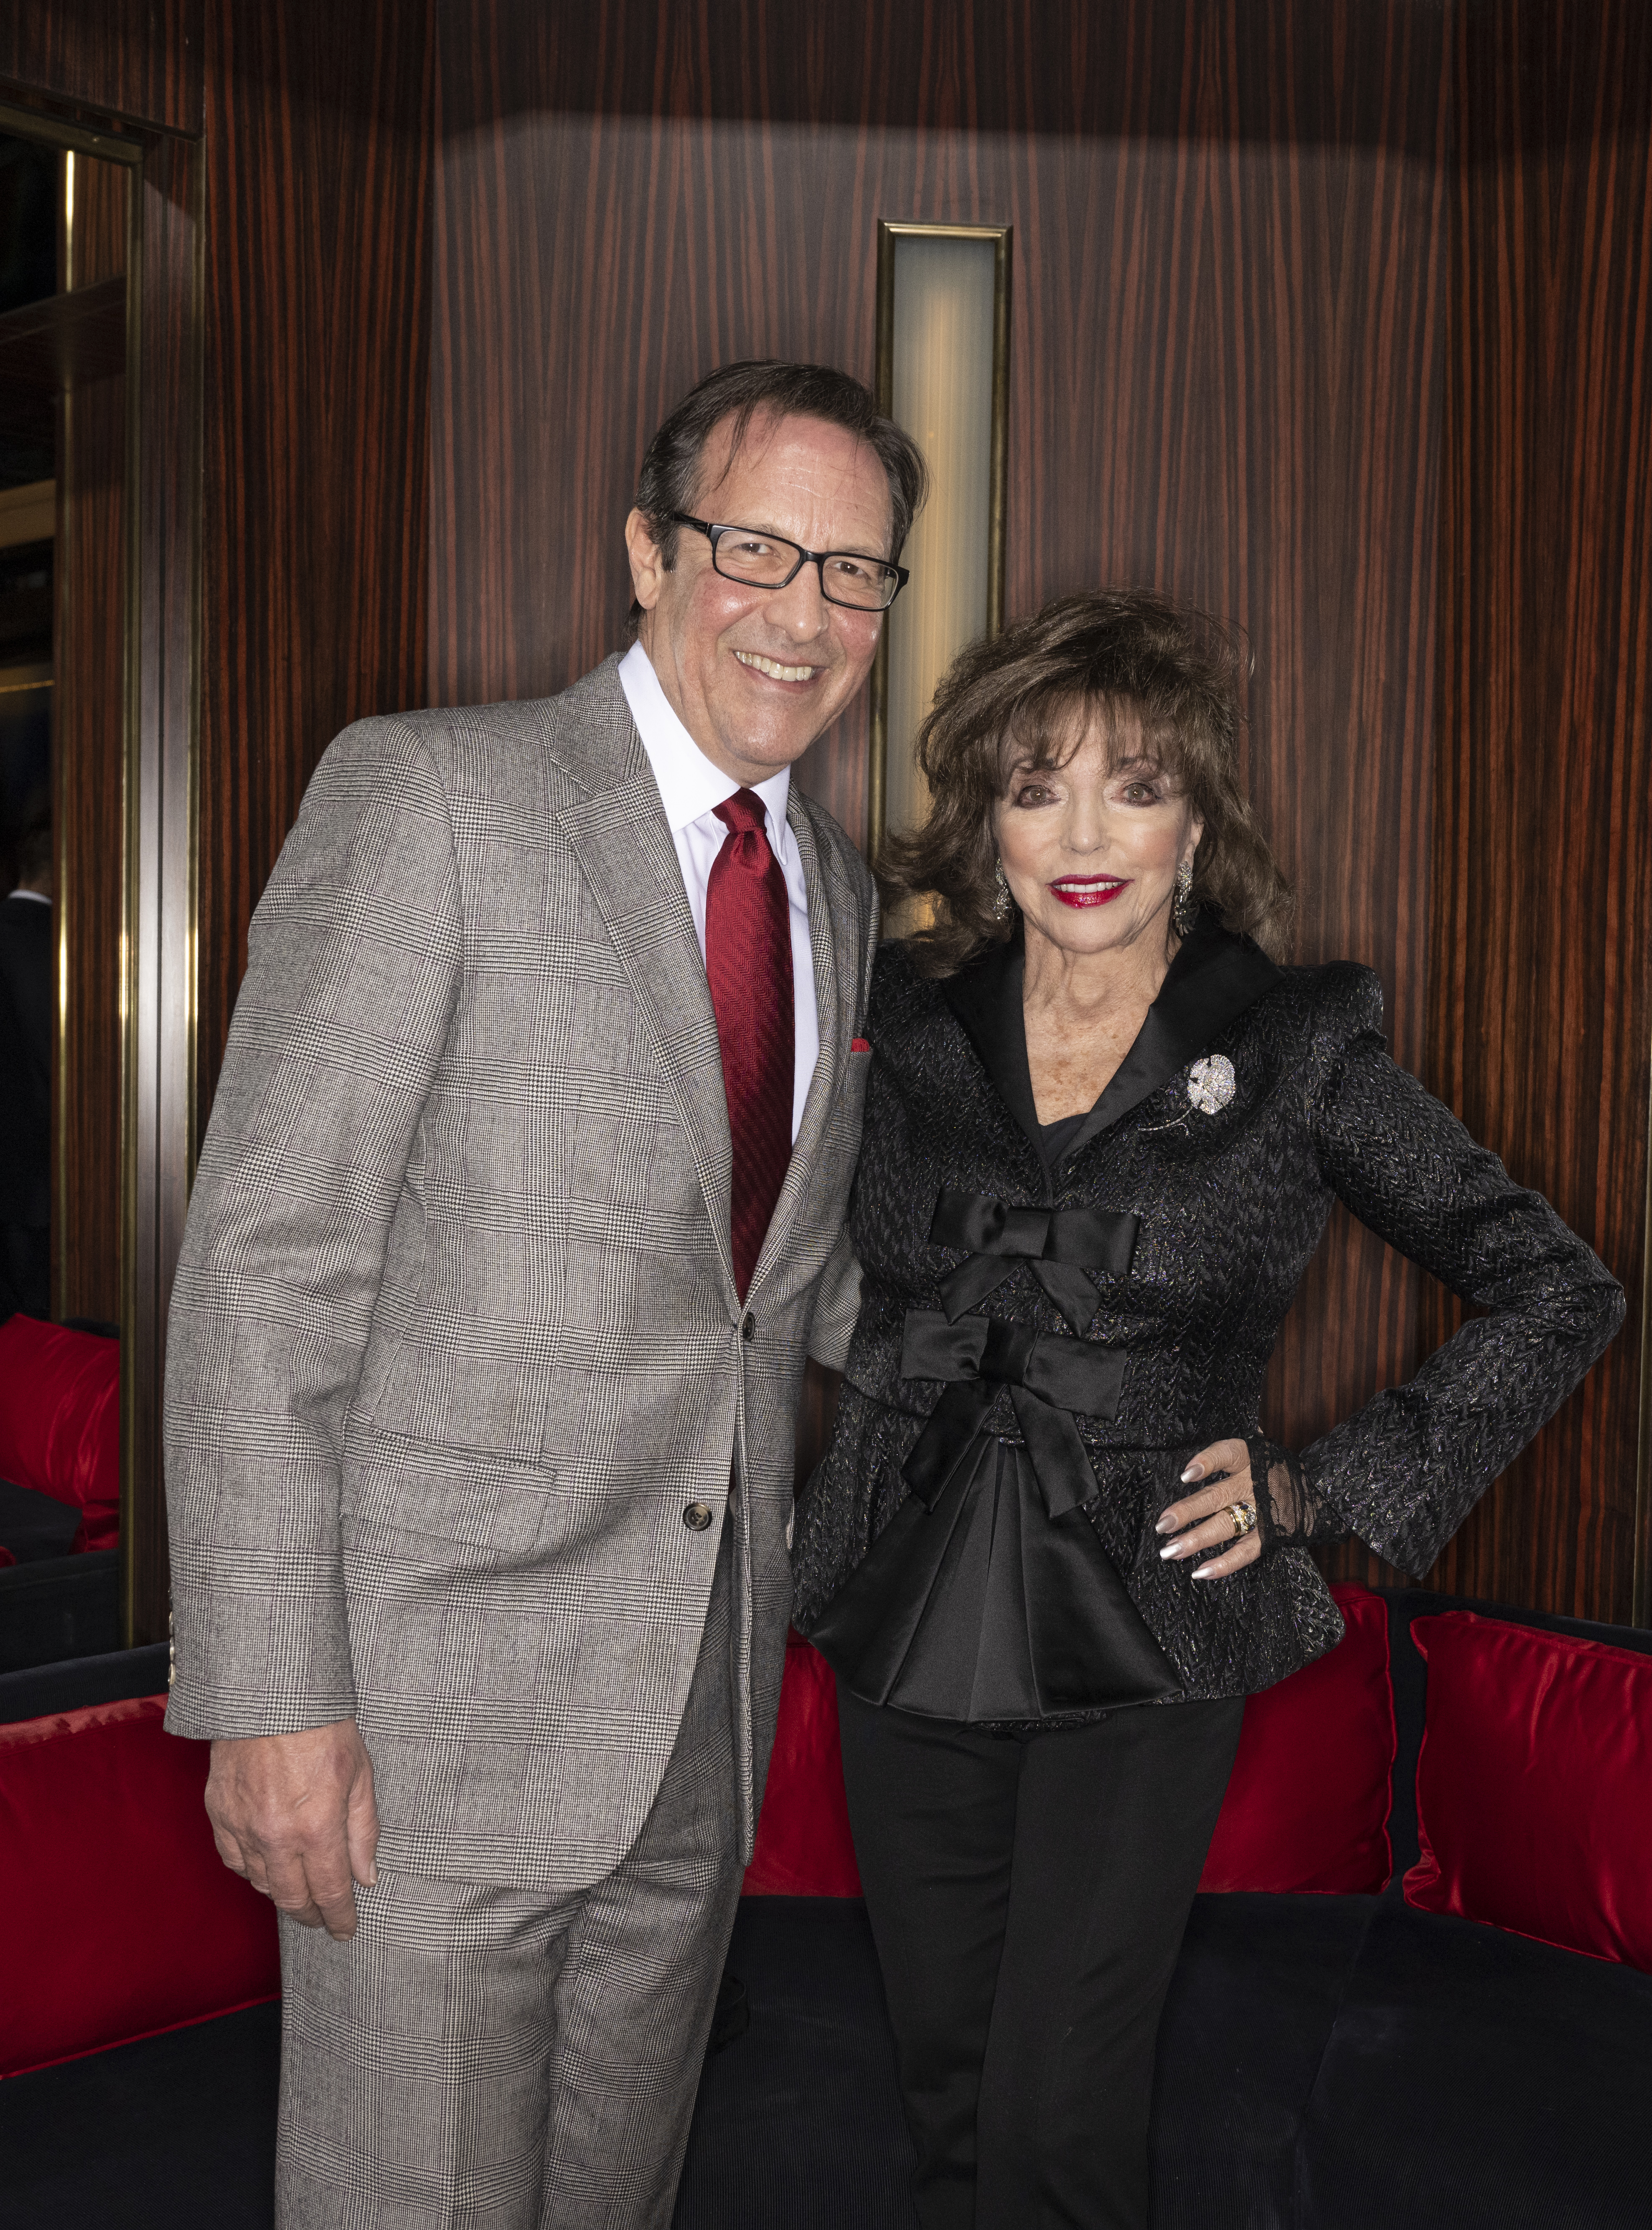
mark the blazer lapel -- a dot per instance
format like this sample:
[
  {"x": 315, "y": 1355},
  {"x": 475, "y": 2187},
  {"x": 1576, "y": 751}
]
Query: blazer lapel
[
  {"x": 1213, "y": 977},
  {"x": 986, "y": 998},
  {"x": 623, "y": 840}
]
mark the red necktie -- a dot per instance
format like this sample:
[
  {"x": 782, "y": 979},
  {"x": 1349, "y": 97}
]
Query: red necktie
[{"x": 748, "y": 963}]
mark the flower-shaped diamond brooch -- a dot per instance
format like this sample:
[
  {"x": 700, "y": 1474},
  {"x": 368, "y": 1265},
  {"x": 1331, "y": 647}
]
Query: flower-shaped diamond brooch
[{"x": 1210, "y": 1083}]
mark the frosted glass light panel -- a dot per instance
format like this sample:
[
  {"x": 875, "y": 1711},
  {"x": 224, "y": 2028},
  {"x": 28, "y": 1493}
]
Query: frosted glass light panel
[{"x": 943, "y": 374}]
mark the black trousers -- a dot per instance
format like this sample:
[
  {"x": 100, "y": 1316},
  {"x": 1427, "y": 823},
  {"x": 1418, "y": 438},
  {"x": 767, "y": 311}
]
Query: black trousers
[{"x": 1028, "y": 1896}]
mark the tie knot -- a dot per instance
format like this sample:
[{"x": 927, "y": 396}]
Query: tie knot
[{"x": 742, "y": 812}]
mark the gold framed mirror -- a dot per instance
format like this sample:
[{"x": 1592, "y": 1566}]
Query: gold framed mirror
[{"x": 98, "y": 598}]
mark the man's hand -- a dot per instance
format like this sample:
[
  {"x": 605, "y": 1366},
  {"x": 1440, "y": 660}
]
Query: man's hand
[{"x": 295, "y": 1815}]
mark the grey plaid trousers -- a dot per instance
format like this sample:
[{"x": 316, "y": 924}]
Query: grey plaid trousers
[{"x": 478, "y": 2056}]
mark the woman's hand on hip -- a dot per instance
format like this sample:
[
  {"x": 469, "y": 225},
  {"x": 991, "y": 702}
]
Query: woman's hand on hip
[{"x": 1207, "y": 1514}]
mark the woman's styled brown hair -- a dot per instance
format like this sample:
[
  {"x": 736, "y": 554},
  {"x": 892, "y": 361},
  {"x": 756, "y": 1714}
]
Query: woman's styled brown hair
[{"x": 1022, "y": 699}]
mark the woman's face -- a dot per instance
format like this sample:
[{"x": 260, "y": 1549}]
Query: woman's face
[{"x": 1090, "y": 848}]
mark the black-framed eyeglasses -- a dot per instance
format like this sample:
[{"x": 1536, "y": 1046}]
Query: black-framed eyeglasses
[{"x": 760, "y": 560}]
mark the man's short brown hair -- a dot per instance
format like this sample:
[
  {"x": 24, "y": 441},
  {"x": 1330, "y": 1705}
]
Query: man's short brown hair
[{"x": 671, "y": 467}]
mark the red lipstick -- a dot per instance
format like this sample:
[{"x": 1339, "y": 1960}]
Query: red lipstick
[{"x": 1087, "y": 890}]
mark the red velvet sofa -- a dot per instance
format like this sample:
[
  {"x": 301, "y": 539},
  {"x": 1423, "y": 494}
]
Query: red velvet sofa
[
  {"x": 60, "y": 1493},
  {"x": 1415, "y": 1991}
]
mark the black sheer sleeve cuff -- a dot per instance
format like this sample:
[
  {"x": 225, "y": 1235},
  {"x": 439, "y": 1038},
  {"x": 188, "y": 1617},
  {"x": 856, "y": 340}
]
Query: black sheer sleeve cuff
[{"x": 1289, "y": 1514}]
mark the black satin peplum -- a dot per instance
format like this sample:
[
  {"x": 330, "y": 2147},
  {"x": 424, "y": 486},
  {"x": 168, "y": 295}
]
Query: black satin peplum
[
  {"x": 980, "y": 1607},
  {"x": 989, "y": 1597}
]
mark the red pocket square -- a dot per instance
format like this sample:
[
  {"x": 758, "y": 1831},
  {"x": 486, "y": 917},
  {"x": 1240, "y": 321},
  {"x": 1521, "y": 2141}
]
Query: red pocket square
[{"x": 860, "y": 1044}]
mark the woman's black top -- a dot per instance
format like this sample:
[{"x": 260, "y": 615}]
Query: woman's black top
[{"x": 1048, "y": 1332}]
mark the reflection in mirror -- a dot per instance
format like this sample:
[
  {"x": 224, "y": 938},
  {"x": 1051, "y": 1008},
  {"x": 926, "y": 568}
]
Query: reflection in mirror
[{"x": 64, "y": 221}]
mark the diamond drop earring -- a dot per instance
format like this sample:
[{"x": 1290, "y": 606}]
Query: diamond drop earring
[
  {"x": 1183, "y": 912},
  {"x": 1003, "y": 904}
]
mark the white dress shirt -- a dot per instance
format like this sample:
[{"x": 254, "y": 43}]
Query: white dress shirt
[{"x": 691, "y": 789}]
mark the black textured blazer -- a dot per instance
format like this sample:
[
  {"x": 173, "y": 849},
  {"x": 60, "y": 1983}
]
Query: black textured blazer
[{"x": 1111, "y": 1314}]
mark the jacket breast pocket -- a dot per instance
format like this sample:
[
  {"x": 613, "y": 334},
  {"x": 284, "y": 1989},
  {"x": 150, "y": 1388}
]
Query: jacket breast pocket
[{"x": 460, "y": 1495}]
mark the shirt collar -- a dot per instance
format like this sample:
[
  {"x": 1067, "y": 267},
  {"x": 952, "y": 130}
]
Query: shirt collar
[{"x": 690, "y": 786}]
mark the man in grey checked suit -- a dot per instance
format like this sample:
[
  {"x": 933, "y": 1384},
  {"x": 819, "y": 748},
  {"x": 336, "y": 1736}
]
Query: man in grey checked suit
[{"x": 485, "y": 1344}]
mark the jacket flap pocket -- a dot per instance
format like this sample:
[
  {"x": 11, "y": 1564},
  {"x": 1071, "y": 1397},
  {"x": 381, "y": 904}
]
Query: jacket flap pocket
[{"x": 454, "y": 1494}]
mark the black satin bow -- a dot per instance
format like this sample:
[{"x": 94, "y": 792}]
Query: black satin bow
[
  {"x": 1058, "y": 1244},
  {"x": 1048, "y": 1377}
]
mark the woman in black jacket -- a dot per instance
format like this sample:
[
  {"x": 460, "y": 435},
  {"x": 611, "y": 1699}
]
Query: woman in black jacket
[{"x": 1048, "y": 1552}]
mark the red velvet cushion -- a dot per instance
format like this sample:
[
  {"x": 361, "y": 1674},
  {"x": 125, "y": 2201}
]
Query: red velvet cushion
[
  {"x": 1307, "y": 1808},
  {"x": 60, "y": 1422},
  {"x": 1534, "y": 1788},
  {"x": 117, "y": 1916},
  {"x": 803, "y": 1848}
]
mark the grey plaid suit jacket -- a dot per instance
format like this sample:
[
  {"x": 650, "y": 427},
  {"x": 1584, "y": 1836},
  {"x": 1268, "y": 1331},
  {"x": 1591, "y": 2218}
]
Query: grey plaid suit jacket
[{"x": 454, "y": 1338}]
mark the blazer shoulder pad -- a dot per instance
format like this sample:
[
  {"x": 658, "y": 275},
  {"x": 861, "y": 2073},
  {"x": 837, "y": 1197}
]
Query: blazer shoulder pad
[
  {"x": 393, "y": 755},
  {"x": 899, "y": 992},
  {"x": 584, "y": 733},
  {"x": 1338, "y": 999}
]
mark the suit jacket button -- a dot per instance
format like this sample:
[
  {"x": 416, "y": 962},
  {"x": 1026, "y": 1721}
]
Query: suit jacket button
[
  {"x": 697, "y": 1516},
  {"x": 748, "y": 1330}
]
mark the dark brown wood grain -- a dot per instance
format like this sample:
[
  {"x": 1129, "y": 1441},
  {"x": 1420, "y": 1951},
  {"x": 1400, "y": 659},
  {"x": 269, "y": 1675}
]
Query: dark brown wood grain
[
  {"x": 127, "y": 658},
  {"x": 284, "y": 574},
  {"x": 1068, "y": 68},
  {"x": 89, "y": 749},
  {"x": 138, "y": 59},
  {"x": 1333, "y": 317},
  {"x": 817, "y": 1409},
  {"x": 1227, "y": 362},
  {"x": 1542, "y": 925},
  {"x": 317, "y": 446},
  {"x": 67, "y": 340}
]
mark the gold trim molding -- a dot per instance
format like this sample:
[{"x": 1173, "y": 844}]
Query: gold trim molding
[{"x": 890, "y": 232}]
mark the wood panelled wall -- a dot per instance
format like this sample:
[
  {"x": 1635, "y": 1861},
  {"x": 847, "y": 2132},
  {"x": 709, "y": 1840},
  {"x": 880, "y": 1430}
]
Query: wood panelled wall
[
  {"x": 1331, "y": 313},
  {"x": 1276, "y": 266},
  {"x": 307, "y": 524},
  {"x": 114, "y": 58},
  {"x": 1542, "y": 922},
  {"x": 319, "y": 186},
  {"x": 89, "y": 749},
  {"x": 1227, "y": 367}
]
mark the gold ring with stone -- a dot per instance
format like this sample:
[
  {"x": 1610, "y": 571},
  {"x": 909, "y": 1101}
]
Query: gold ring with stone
[{"x": 1243, "y": 1515}]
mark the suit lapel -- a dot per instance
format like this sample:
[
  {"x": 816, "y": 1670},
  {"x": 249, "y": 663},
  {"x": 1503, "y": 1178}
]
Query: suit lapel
[
  {"x": 834, "y": 938},
  {"x": 622, "y": 841}
]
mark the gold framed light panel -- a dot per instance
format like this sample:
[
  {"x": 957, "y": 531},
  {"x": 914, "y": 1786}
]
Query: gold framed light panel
[{"x": 943, "y": 373}]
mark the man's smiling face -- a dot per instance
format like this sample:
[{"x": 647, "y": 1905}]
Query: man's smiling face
[{"x": 755, "y": 674}]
